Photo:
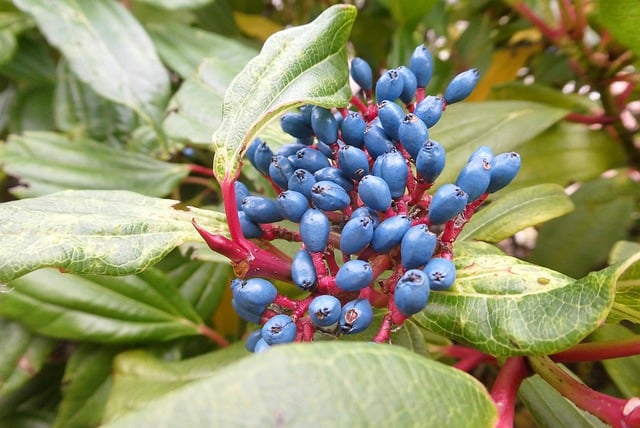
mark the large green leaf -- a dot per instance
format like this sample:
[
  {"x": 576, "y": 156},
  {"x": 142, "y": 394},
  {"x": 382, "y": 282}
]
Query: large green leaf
[
  {"x": 103, "y": 309},
  {"x": 305, "y": 64},
  {"x": 46, "y": 162},
  {"x": 516, "y": 211},
  {"x": 107, "y": 49},
  {"x": 501, "y": 125},
  {"x": 580, "y": 241},
  {"x": 324, "y": 385},
  {"x": 627, "y": 302},
  {"x": 23, "y": 355},
  {"x": 101, "y": 232},
  {"x": 86, "y": 386},
  {"x": 622, "y": 19},
  {"x": 504, "y": 306},
  {"x": 140, "y": 378}
]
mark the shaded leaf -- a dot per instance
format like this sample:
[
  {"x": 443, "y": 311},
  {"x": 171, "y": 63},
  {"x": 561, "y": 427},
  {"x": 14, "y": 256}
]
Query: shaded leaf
[
  {"x": 177, "y": 4},
  {"x": 100, "y": 308},
  {"x": 516, "y": 211},
  {"x": 627, "y": 301},
  {"x": 504, "y": 306},
  {"x": 542, "y": 94},
  {"x": 100, "y": 232},
  {"x": 305, "y": 64},
  {"x": 107, "y": 49},
  {"x": 11, "y": 25},
  {"x": 323, "y": 380},
  {"x": 623, "y": 371},
  {"x": 47, "y": 162},
  {"x": 32, "y": 109},
  {"x": 622, "y": 250},
  {"x": 32, "y": 62},
  {"x": 622, "y": 19}
]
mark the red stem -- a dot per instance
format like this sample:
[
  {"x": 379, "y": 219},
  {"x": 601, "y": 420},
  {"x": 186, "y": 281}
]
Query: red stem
[
  {"x": 590, "y": 119},
  {"x": 551, "y": 33},
  {"x": 199, "y": 169},
  {"x": 596, "y": 351},
  {"x": 505, "y": 389}
]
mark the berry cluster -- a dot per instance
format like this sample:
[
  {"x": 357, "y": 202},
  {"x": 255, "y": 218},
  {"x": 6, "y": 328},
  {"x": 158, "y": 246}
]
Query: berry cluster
[{"x": 358, "y": 181}]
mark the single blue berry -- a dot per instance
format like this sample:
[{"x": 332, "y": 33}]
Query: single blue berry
[
  {"x": 393, "y": 169},
  {"x": 280, "y": 170},
  {"x": 391, "y": 115},
  {"x": 389, "y": 86},
  {"x": 448, "y": 201},
  {"x": 421, "y": 63},
  {"x": 461, "y": 86},
  {"x": 374, "y": 192},
  {"x": 409, "y": 84},
  {"x": 261, "y": 209},
  {"x": 430, "y": 161},
  {"x": 262, "y": 158},
  {"x": 325, "y": 311},
  {"x": 296, "y": 125},
  {"x": 250, "y": 229},
  {"x": 292, "y": 205},
  {"x": 329, "y": 196},
  {"x": 361, "y": 73},
  {"x": 303, "y": 272},
  {"x": 377, "y": 141},
  {"x": 261, "y": 345},
  {"x": 353, "y": 162},
  {"x": 441, "y": 273},
  {"x": 417, "y": 246},
  {"x": 366, "y": 212},
  {"x": 252, "y": 339},
  {"x": 301, "y": 181},
  {"x": 331, "y": 173},
  {"x": 482, "y": 152},
  {"x": 504, "y": 169},
  {"x": 279, "y": 329},
  {"x": 352, "y": 130},
  {"x": 310, "y": 159},
  {"x": 314, "y": 230},
  {"x": 356, "y": 234},
  {"x": 324, "y": 125},
  {"x": 252, "y": 315},
  {"x": 290, "y": 148},
  {"x": 241, "y": 192},
  {"x": 474, "y": 177},
  {"x": 251, "y": 150},
  {"x": 413, "y": 133},
  {"x": 411, "y": 292},
  {"x": 253, "y": 293},
  {"x": 356, "y": 316},
  {"x": 429, "y": 110},
  {"x": 389, "y": 233},
  {"x": 354, "y": 275}
]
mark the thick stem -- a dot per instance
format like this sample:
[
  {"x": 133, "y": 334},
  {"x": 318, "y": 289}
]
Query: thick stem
[
  {"x": 596, "y": 351},
  {"x": 384, "y": 333},
  {"x": 505, "y": 389},
  {"x": 214, "y": 335},
  {"x": 616, "y": 412}
]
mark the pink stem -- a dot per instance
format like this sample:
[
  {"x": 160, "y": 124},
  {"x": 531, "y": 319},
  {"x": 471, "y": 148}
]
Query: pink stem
[
  {"x": 505, "y": 389},
  {"x": 596, "y": 351},
  {"x": 199, "y": 169}
]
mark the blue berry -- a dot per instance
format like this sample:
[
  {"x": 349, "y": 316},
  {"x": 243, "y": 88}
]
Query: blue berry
[
  {"x": 389, "y": 233},
  {"x": 261, "y": 345},
  {"x": 250, "y": 229},
  {"x": 421, "y": 63},
  {"x": 374, "y": 192},
  {"x": 261, "y": 209},
  {"x": 241, "y": 192},
  {"x": 279, "y": 329},
  {"x": 413, "y": 134},
  {"x": 336, "y": 175},
  {"x": 356, "y": 316},
  {"x": 329, "y": 196},
  {"x": 324, "y": 125},
  {"x": 448, "y": 201},
  {"x": 441, "y": 273},
  {"x": 301, "y": 181},
  {"x": 252, "y": 315},
  {"x": 430, "y": 161},
  {"x": 474, "y": 177},
  {"x": 461, "y": 86},
  {"x": 280, "y": 170},
  {"x": 393, "y": 169},
  {"x": 251, "y": 150},
  {"x": 482, "y": 152},
  {"x": 366, "y": 212},
  {"x": 303, "y": 272},
  {"x": 417, "y": 246},
  {"x": 253, "y": 293},
  {"x": 354, "y": 275},
  {"x": 412, "y": 292},
  {"x": 353, "y": 162},
  {"x": 361, "y": 73},
  {"x": 326, "y": 150},
  {"x": 290, "y": 148},
  {"x": 325, "y": 311},
  {"x": 377, "y": 141},
  {"x": 389, "y": 86},
  {"x": 504, "y": 169},
  {"x": 409, "y": 84},
  {"x": 296, "y": 124},
  {"x": 314, "y": 230},
  {"x": 292, "y": 205},
  {"x": 310, "y": 159},
  {"x": 391, "y": 115},
  {"x": 252, "y": 339},
  {"x": 352, "y": 130},
  {"x": 262, "y": 158},
  {"x": 429, "y": 110},
  {"x": 356, "y": 234}
]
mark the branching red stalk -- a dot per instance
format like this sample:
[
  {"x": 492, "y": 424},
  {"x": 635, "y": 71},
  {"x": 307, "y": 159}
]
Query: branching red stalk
[
  {"x": 596, "y": 351},
  {"x": 505, "y": 389}
]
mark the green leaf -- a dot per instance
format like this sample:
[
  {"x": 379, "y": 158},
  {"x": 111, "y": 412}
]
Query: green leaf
[
  {"x": 32, "y": 109},
  {"x": 176, "y": 4},
  {"x": 11, "y": 25},
  {"x": 183, "y": 48},
  {"x": 501, "y": 125},
  {"x": 542, "y": 94},
  {"x": 623, "y": 371},
  {"x": 622, "y": 19},
  {"x": 23, "y": 355},
  {"x": 107, "y": 49},
  {"x": 140, "y": 378},
  {"x": 101, "y": 232},
  {"x": 516, "y": 211},
  {"x": 580, "y": 241},
  {"x": 299, "y": 65},
  {"x": 622, "y": 250},
  {"x": 408, "y": 13},
  {"x": 567, "y": 153},
  {"x": 32, "y": 63},
  {"x": 102, "y": 309},
  {"x": 86, "y": 386},
  {"x": 550, "y": 409},
  {"x": 627, "y": 302},
  {"x": 46, "y": 162},
  {"x": 311, "y": 384},
  {"x": 504, "y": 306},
  {"x": 80, "y": 111}
]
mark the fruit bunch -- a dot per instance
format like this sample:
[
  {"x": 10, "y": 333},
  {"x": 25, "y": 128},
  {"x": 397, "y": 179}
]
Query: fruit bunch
[{"x": 356, "y": 183}]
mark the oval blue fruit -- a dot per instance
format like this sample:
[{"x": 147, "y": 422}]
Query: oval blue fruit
[
  {"x": 412, "y": 292},
  {"x": 261, "y": 345},
  {"x": 374, "y": 192},
  {"x": 279, "y": 329},
  {"x": 352, "y": 129},
  {"x": 421, "y": 63},
  {"x": 325, "y": 311},
  {"x": 356, "y": 316},
  {"x": 409, "y": 84},
  {"x": 303, "y": 272},
  {"x": 241, "y": 192},
  {"x": 482, "y": 152},
  {"x": 301, "y": 181},
  {"x": 504, "y": 169},
  {"x": 474, "y": 177},
  {"x": 251, "y": 150},
  {"x": 377, "y": 141},
  {"x": 310, "y": 159},
  {"x": 356, "y": 234},
  {"x": 461, "y": 86},
  {"x": 280, "y": 170},
  {"x": 290, "y": 148},
  {"x": 413, "y": 133},
  {"x": 389, "y": 86},
  {"x": 448, "y": 201},
  {"x": 353, "y": 162},
  {"x": 252, "y": 339},
  {"x": 314, "y": 230},
  {"x": 361, "y": 73},
  {"x": 296, "y": 125},
  {"x": 417, "y": 246},
  {"x": 262, "y": 158},
  {"x": 391, "y": 115},
  {"x": 250, "y": 229},
  {"x": 253, "y": 293},
  {"x": 329, "y": 196},
  {"x": 429, "y": 110},
  {"x": 331, "y": 173},
  {"x": 292, "y": 205},
  {"x": 261, "y": 209},
  {"x": 252, "y": 315},
  {"x": 393, "y": 169},
  {"x": 354, "y": 275},
  {"x": 366, "y": 212},
  {"x": 430, "y": 161},
  {"x": 389, "y": 233},
  {"x": 441, "y": 273},
  {"x": 324, "y": 124}
]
